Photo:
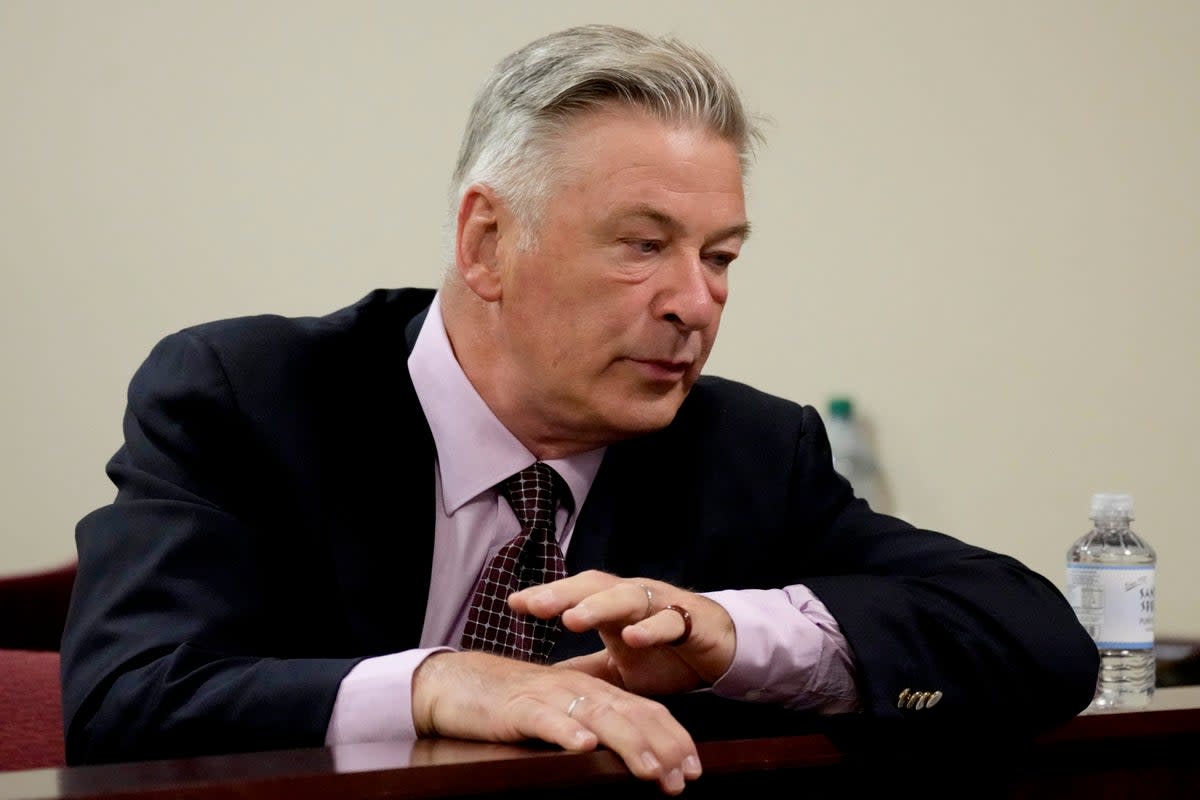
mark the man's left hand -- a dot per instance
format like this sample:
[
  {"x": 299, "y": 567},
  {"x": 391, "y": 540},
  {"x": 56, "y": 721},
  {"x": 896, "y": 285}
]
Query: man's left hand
[{"x": 638, "y": 630}]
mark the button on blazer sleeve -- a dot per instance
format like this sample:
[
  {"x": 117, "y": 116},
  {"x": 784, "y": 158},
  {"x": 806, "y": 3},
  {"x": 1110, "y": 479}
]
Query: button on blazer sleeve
[
  {"x": 739, "y": 492},
  {"x": 974, "y": 634}
]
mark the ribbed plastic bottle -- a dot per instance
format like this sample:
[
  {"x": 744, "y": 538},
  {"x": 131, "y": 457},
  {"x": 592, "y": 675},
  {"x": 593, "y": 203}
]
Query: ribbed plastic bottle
[
  {"x": 1110, "y": 584},
  {"x": 853, "y": 456}
]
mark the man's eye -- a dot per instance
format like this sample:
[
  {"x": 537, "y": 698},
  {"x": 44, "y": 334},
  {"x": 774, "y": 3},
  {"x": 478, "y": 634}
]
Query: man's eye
[
  {"x": 721, "y": 260},
  {"x": 646, "y": 246}
]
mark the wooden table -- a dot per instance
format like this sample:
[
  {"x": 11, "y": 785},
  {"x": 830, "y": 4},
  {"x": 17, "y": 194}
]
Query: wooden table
[{"x": 1152, "y": 753}]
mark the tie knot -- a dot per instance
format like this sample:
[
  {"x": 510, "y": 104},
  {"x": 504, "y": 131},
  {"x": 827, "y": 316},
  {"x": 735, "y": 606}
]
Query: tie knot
[{"x": 534, "y": 493}]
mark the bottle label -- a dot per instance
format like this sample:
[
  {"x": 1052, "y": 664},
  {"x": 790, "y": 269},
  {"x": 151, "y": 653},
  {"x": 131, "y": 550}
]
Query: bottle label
[{"x": 1115, "y": 604}]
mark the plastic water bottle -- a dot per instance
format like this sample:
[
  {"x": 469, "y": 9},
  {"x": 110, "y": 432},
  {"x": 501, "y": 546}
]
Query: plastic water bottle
[
  {"x": 1110, "y": 583},
  {"x": 853, "y": 456}
]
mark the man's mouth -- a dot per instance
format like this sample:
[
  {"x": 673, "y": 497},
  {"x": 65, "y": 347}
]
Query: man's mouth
[{"x": 662, "y": 369}]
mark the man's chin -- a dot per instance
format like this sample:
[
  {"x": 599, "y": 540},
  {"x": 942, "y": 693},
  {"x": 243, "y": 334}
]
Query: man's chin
[{"x": 637, "y": 416}]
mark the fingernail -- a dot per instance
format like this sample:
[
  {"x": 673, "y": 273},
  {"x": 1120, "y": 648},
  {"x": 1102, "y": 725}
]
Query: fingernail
[
  {"x": 651, "y": 762},
  {"x": 691, "y": 767},
  {"x": 583, "y": 614},
  {"x": 582, "y": 736},
  {"x": 675, "y": 781}
]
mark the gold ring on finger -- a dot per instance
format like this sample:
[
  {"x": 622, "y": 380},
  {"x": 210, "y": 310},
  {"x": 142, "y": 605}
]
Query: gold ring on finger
[{"x": 649, "y": 600}]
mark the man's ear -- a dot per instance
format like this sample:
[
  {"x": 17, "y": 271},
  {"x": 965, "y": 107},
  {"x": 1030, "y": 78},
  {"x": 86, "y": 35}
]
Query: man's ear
[{"x": 477, "y": 242}]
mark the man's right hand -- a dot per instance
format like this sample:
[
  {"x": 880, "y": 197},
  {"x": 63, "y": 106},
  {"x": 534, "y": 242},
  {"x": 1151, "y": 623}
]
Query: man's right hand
[{"x": 491, "y": 698}]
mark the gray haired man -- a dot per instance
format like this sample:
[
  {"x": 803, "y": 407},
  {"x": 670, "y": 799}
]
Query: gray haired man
[{"x": 513, "y": 509}]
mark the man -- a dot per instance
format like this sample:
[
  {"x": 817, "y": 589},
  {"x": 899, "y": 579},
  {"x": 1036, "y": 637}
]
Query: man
[{"x": 313, "y": 540}]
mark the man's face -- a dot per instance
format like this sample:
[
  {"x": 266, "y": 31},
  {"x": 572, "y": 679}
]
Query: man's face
[{"x": 606, "y": 322}]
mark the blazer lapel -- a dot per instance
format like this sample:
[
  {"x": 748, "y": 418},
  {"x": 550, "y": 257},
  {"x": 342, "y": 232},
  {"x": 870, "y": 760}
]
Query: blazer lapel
[
  {"x": 632, "y": 520},
  {"x": 620, "y": 530},
  {"x": 383, "y": 536}
]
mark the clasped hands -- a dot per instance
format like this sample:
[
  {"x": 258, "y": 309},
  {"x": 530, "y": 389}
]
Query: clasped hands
[{"x": 594, "y": 699}]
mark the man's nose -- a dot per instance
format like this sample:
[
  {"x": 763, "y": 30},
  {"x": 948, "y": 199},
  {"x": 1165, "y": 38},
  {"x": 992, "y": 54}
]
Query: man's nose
[{"x": 692, "y": 294}]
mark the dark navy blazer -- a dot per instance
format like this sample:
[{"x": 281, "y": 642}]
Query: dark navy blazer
[{"x": 274, "y": 525}]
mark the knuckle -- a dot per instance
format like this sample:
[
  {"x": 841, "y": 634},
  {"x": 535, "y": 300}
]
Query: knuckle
[
  {"x": 676, "y": 748},
  {"x": 620, "y": 706},
  {"x": 539, "y": 716},
  {"x": 524, "y": 707},
  {"x": 653, "y": 708},
  {"x": 602, "y": 708}
]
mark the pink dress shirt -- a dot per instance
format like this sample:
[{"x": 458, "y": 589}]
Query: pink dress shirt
[{"x": 789, "y": 648}]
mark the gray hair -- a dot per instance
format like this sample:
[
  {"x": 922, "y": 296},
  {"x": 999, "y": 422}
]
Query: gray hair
[{"x": 533, "y": 94}]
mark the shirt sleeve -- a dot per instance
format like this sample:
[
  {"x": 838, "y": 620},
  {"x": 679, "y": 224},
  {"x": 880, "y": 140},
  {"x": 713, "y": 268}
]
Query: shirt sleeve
[
  {"x": 790, "y": 651},
  {"x": 374, "y": 700}
]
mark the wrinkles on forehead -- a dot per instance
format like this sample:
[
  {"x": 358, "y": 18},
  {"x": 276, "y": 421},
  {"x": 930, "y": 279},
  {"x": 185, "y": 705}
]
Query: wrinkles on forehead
[{"x": 648, "y": 213}]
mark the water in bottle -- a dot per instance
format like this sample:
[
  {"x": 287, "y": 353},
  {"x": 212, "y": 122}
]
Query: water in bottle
[
  {"x": 1110, "y": 583},
  {"x": 853, "y": 456}
]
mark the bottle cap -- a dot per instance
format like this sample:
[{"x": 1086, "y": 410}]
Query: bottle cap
[
  {"x": 841, "y": 407},
  {"x": 1111, "y": 504}
]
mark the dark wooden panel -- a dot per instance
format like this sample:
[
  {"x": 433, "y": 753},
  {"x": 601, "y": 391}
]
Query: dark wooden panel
[{"x": 1153, "y": 753}]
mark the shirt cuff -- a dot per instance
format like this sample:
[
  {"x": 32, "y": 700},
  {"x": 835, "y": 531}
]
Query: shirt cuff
[
  {"x": 790, "y": 651},
  {"x": 374, "y": 700}
]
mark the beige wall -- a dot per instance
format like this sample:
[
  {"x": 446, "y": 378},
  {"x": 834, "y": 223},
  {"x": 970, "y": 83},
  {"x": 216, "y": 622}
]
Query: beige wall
[{"x": 980, "y": 218}]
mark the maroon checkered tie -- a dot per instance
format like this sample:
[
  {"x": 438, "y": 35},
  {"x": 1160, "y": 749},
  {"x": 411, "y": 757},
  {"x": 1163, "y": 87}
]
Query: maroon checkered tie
[{"x": 530, "y": 558}]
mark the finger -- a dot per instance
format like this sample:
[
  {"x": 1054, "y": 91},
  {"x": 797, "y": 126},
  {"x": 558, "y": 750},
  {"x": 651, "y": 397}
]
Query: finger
[
  {"x": 647, "y": 738},
  {"x": 620, "y": 604},
  {"x": 552, "y": 599},
  {"x": 664, "y": 627},
  {"x": 568, "y": 720},
  {"x": 550, "y": 722}
]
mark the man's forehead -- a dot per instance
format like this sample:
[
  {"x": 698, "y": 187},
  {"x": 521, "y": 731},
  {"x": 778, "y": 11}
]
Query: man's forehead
[
  {"x": 625, "y": 162},
  {"x": 647, "y": 212}
]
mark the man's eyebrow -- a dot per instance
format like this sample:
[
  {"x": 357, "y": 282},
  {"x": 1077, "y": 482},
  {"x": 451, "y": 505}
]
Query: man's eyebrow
[{"x": 741, "y": 230}]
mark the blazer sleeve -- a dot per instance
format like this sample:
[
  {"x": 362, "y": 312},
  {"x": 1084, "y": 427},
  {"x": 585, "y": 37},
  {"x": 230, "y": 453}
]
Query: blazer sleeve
[
  {"x": 169, "y": 641},
  {"x": 927, "y": 613}
]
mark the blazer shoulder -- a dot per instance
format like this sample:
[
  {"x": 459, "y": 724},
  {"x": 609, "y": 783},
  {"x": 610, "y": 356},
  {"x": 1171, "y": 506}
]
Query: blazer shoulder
[
  {"x": 267, "y": 361},
  {"x": 375, "y": 313},
  {"x": 722, "y": 403},
  {"x": 369, "y": 332}
]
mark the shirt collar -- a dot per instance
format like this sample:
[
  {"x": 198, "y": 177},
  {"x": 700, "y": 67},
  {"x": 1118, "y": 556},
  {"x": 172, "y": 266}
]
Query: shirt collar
[{"x": 475, "y": 450}]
